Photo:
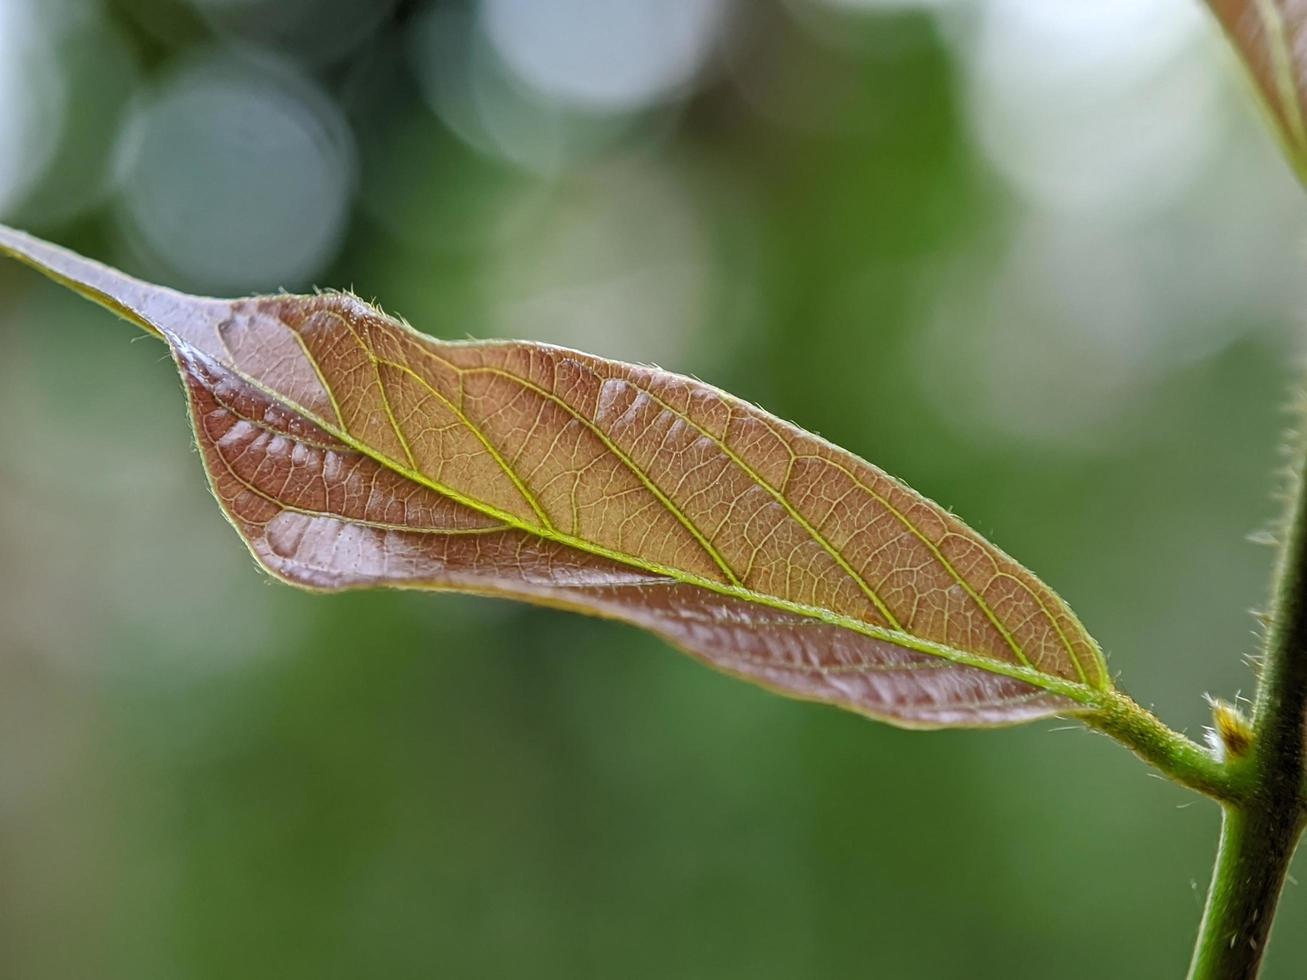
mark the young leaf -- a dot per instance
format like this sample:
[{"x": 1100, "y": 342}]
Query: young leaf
[
  {"x": 350, "y": 451},
  {"x": 1271, "y": 37}
]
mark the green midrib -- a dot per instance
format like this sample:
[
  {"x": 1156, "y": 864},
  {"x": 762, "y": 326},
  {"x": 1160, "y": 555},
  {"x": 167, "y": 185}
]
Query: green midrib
[{"x": 1080, "y": 693}]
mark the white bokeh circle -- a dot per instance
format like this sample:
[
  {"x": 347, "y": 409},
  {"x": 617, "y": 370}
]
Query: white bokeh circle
[{"x": 238, "y": 175}]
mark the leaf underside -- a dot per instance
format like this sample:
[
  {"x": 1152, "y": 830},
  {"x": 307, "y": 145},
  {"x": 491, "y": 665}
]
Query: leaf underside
[
  {"x": 1271, "y": 39},
  {"x": 350, "y": 451}
]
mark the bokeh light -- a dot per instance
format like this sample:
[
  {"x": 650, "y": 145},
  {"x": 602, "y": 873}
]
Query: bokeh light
[
  {"x": 32, "y": 98},
  {"x": 238, "y": 176},
  {"x": 101, "y": 74},
  {"x": 605, "y": 55},
  {"x": 1094, "y": 105},
  {"x": 467, "y": 84}
]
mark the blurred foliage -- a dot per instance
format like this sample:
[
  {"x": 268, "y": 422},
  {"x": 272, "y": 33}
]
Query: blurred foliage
[{"x": 1037, "y": 259}]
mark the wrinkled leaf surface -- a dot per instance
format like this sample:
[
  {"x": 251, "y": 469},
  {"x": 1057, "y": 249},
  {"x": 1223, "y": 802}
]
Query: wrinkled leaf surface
[{"x": 351, "y": 451}]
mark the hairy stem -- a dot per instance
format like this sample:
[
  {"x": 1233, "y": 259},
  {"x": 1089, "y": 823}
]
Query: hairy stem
[
  {"x": 1261, "y": 829},
  {"x": 1256, "y": 847},
  {"x": 1178, "y": 757}
]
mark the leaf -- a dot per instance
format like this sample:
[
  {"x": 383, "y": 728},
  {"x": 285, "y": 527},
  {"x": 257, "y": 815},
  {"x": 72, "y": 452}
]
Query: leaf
[
  {"x": 1271, "y": 38},
  {"x": 350, "y": 451}
]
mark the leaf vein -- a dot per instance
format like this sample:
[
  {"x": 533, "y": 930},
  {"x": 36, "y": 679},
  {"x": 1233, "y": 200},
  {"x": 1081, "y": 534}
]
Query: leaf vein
[
  {"x": 370, "y": 351},
  {"x": 630, "y": 464},
  {"x": 784, "y": 501},
  {"x": 1078, "y": 692}
]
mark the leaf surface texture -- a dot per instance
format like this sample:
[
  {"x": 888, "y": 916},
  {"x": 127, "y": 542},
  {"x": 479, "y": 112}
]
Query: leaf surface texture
[{"x": 349, "y": 451}]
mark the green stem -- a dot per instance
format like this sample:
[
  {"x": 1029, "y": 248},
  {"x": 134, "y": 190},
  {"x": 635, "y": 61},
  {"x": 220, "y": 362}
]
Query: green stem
[
  {"x": 1261, "y": 830},
  {"x": 1179, "y": 758},
  {"x": 1256, "y": 847}
]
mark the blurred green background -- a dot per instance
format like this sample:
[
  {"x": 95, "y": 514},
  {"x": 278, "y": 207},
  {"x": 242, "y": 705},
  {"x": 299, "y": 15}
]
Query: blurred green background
[{"x": 1036, "y": 257}]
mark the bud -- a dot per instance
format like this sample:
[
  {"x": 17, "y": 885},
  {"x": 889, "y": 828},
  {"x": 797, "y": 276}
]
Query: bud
[{"x": 1232, "y": 735}]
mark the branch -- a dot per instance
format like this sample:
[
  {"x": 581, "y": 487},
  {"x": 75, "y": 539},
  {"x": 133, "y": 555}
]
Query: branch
[{"x": 1261, "y": 831}]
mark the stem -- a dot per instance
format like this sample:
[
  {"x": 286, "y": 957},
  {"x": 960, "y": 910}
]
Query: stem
[
  {"x": 1261, "y": 830},
  {"x": 1178, "y": 757},
  {"x": 1256, "y": 847}
]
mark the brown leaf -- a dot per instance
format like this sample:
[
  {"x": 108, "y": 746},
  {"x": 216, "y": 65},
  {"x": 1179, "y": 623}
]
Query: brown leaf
[
  {"x": 351, "y": 451},
  {"x": 1271, "y": 38}
]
